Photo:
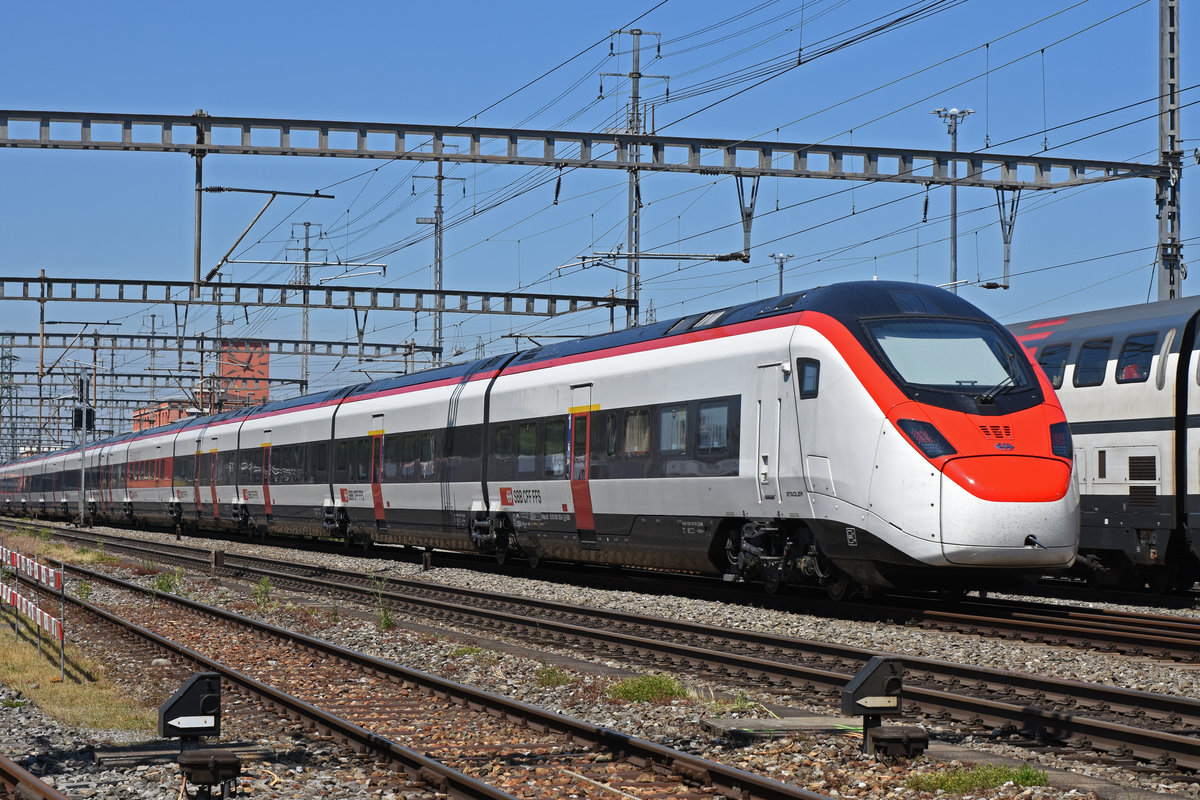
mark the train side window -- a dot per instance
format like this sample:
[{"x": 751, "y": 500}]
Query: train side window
[
  {"x": 362, "y": 459},
  {"x": 610, "y": 435},
  {"x": 672, "y": 431},
  {"x": 810, "y": 377},
  {"x": 713, "y": 433},
  {"x": 391, "y": 458},
  {"x": 428, "y": 452},
  {"x": 1053, "y": 361},
  {"x": 1101, "y": 464},
  {"x": 320, "y": 462},
  {"x": 408, "y": 457},
  {"x": 1091, "y": 363},
  {"x": 556, "y": 448},
  {"x": 637, "y": 433},
  {"x": 1133, "y": 365},
  {"x": 527, "y": 448},
  {"x": 341, "y": 461},
  {"x": 502, "y": 442}
]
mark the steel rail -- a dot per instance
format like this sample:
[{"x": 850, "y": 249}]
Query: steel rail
[
  {"x": 1118, "y": 738},
  {"x": 24, "y": 783},
  {"x": 729, "y": 780}
]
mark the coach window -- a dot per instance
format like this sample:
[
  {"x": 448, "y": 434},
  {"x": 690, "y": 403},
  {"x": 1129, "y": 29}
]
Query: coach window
[
  {"x": 810, "y": 374},
  {"x": 1092, "y": 361},
  {"x": 502, "y": 442},
  {"x": 672, "y": 431},
  {"x": 713, "y": 434},
  {"x": 1053, "y": 361},
  {"x": 391, "y": 458},
  {"x": 637, "y": 433},
  {"x": 1133, "y": 365},
  {"x": 319, "y": 462},
  {"x": 341, "y": 461},
  {"x": 362, "y": 459},
  {"x": 408, "y": 457},
  {"x": 428, "y": 465},
  {"x": 555, "y": 464},
  {"x": 527, "y": 448}
]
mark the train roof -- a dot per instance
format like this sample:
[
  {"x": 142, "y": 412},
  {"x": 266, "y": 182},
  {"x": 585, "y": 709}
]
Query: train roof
[
  {"x": 844, "y": 301},
  {"x": 1117, "y": 322}
]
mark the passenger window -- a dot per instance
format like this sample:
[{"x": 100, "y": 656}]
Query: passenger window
[
  {"x": 428, "y": 468},
  {"x": 610, "y": 435},
  {"x": 1133, "y": 365},
  {"x": 556, "y": 448},
  {"x": 526, "y": 448},
  {"x": 408, "y": 455},
  {"x": 502, "y": 442},
  {"x": 713, "y": 435},
  {"x": 391, "y": 457},
  {"x": 1092, "y": 361},
  {"x": 810, "y": 374},
  {"x": 1053, "y": 361},
  {"x": 672, "y": 431},
  {"x": 341, "y": 460},
  {"x": 362, "y": 459},
  {"x": 637, "y": 433}
]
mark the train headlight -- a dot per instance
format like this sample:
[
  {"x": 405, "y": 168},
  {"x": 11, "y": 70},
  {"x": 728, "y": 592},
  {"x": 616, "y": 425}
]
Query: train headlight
[
  {"x": 925, "y": 436},
  {"x": 1060, "y": 439}
]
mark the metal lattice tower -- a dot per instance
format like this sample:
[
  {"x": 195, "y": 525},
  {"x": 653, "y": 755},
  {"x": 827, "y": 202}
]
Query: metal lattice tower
[{"x": 8, "y": 399}]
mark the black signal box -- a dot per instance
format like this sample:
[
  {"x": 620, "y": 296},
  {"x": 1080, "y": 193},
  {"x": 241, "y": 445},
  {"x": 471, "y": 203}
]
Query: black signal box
[
  {"x": 876, "y": 690},
  {"x": 194, "y": 710}
]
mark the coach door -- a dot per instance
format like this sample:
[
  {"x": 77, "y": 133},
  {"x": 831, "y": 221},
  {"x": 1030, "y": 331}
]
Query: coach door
[
  {"x": 266, "y": 474},
  {"x": 580, "y": 439},
  {"x": 213, "y": 469},
  {"x": 770, "y": 402},
  {"x": 376, "y": 436}
]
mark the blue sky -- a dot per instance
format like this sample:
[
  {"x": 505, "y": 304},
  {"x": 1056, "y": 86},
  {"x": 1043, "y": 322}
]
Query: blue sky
[{"x": 1024, "y": 67}]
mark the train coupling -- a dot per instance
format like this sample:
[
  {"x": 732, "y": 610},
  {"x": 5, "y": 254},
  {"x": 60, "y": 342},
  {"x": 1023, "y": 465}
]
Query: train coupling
[{"x": 483, "y": 534}]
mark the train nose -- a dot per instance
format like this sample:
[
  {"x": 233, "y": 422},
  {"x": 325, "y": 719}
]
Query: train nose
[{"x": 1009, "y": 510}]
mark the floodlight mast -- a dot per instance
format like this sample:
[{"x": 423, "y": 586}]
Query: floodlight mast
[{"x": 952, "y": 117}]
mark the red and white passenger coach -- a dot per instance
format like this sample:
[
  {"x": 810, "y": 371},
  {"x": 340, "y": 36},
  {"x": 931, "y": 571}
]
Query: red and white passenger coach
[{"x": 876, "y": 434}]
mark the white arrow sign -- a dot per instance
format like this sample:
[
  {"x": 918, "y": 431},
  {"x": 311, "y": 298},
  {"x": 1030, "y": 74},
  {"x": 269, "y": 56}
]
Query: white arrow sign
[
  {"x": 193, "y": 722},
  {"x": 879, "y": 702}
]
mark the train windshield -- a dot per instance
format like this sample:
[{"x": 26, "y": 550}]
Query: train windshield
[{"x": 953, "y": 355}]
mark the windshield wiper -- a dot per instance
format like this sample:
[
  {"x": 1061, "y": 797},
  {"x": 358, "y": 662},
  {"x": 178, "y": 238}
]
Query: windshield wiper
[
  {"x": 990, "y": 395},
  {"x": 1008, "y": 382}
]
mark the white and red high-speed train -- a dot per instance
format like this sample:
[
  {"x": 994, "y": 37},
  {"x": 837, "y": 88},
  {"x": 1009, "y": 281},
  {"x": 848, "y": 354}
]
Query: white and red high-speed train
[{"x": 877, "y": 433}]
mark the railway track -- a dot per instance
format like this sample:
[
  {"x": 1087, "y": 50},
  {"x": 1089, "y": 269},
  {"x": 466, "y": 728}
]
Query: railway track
[
  {"x": 17, "y": 783},
  {"x": 1155, "y": 728},
  {"x": 1142, "y": 634},
  {"x": 462, "y": 741}
]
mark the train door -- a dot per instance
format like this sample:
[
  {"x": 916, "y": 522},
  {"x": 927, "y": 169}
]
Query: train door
[
  {"x": 197, "y": 474},
  {"x": 213, "y": 470},
  {"x": 266, "y": 474},
  {"x": 770, "y": 404},
  {"x": 580, "y": 439},
  {"x": 376, "y": 437}
]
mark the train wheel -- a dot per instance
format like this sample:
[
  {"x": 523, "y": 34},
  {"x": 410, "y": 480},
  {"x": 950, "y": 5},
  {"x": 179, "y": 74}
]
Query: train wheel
[
  {"x": 839, "y": 586},
  {"x": 772, "y": 579},
  {"x": 503, "y": 540}
]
